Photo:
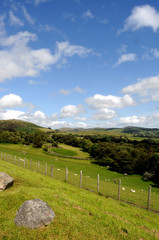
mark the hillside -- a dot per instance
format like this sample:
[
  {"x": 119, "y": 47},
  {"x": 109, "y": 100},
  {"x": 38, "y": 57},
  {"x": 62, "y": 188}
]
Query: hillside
[
  {"x": 18, "y": 125},
  {"x": 80, "y": 214},
  {"x": 128, "y": 131}
]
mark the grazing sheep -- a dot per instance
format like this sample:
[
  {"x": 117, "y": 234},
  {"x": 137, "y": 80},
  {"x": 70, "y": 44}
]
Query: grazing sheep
[
  {"x": 132, "y": 190},
  {"x": 123, "y": 188}
]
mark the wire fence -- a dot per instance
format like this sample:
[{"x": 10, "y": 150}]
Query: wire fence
[{"x": 146, "y": 199}]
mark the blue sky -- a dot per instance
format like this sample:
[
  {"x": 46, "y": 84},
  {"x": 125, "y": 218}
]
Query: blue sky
[{"x": 80, "y": 63}]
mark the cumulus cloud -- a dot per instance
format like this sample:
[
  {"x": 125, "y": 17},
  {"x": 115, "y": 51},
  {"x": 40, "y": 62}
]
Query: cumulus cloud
[
  {"x": 109, "y": 101},
  {"x": 155, "y": 52},
  {"x": 10, "y": 101},
  {"x": 88, "y": 15},
  {"x": 134, "y": 120},
  {"x": 129, "y": 57},
  {"x": 104, "y": 114},
  {"x": 142, "y": 16},
  {"x": 147, "y": 87},
  {"x": 15, "y": 21},
  {"x": 11, "y": 114},
  {"x": 39, "y": 114},
  {"x": 71, "y": 110},
  {"x": 19, "y": 60}
]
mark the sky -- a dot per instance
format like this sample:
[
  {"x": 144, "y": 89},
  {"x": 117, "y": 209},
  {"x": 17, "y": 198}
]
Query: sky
[{"x": 80, "y": 63}]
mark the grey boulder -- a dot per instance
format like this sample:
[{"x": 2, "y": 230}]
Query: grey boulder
[
  {"x": 34, "y": 214},
  {"x": 5, "y": 181}
]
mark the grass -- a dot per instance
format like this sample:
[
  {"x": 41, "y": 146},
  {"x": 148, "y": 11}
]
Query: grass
[
  {"x": 90, "y": 171},
  {"x": 80, "y": 214},
  {"x": 65, "y": 152}
]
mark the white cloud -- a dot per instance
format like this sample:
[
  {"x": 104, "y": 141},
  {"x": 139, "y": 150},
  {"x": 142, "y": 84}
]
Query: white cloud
[
  {"x": 67, "y": 92},
  {"x": 80, "y": 119},
  {"x": 104, "y": 114},
  {"x": 78, "y": 89},
  {"x": 142, "y": 16},
  {"x": 109, "y": 101},
  {"x": 27, "y": 16},
  {"x": 15, "y": 21},
  {"x": 39, "y": 114},
  {"x": 88, "y": 14},
  {"x": 155, "y": 52},
  {"x": 129, "y": 57},
  {"x": 64, "y": 92},
  {"x": 37, "y": 2},
  {"x": 10, "y": 101},
  {"x": 134, "y": 120},
  {"x": 122, "y": 49},
  {"x": 10, "y": 114},
  {"x": 32, "y": 82},
  {"x": 19, "y": 60},
  {"x": 71, "y": 111},
  {"x": 147, "y": 87}
]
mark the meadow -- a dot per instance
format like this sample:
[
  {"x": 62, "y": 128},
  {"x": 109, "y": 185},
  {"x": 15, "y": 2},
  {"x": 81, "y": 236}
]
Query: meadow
[
  {"x": 80, "y": 214},
  {"x": 38, "y": 159}
]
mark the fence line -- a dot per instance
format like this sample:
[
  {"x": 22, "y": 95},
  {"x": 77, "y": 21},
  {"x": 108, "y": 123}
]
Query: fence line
[{"x": 13, "y": 160}]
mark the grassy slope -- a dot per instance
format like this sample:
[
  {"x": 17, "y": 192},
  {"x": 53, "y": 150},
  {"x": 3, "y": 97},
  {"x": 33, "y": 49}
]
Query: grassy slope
[
  {"x": 107, "y": 187},
  {"x": 79, "y": 214}
]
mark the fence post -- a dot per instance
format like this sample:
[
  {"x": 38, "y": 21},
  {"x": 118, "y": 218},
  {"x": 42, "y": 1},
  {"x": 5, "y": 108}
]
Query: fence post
[
  {"x": 46, "y": 169},
  {"x": 119, "y": 188},
  {"x": 66, "y": 175},
  {"x": 80, "y": 178},
  {"x": 149, "y": 198},
  {"x": 98, "y": 183}
]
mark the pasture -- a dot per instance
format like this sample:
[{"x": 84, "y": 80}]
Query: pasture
[
  {"x": 107, "y": 186},
  {"x": 80, "y": 214}
]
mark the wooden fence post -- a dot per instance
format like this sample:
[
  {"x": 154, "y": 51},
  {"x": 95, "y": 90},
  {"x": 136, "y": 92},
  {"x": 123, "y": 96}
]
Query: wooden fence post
[
  {"x": 80, "y": 178},
  {"x": 66, "y": 175},
  {"x": 149, "y": 198},
  {"x": 52, "y": 168},
  {"x": 98, "y": 183},
  {"x": 119, "y": 188}
]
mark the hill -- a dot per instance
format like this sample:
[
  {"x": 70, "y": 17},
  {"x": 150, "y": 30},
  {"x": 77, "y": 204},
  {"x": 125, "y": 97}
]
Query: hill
[
  {"x": 128, "y": 131},
  {"x": 80, "y": 214},
  {"x": 18, "y": 125}
]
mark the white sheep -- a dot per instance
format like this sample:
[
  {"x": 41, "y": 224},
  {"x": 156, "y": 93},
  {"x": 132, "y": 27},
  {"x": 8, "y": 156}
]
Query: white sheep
[{"x": 132, "y": 190}]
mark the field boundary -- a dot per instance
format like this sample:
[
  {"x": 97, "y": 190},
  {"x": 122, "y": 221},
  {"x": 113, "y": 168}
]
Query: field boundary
[{"x": 35, "y": 166}]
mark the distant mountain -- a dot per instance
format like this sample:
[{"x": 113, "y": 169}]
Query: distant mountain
[{"x": 18, "y": 125}]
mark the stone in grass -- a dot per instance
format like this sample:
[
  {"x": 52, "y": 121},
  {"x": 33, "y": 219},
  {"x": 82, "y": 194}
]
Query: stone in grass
[
  {"x": 34, "y": 214},
  {"x": 6, "y": 181}
]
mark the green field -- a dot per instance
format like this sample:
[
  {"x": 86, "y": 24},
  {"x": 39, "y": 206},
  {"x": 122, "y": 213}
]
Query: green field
[
  {"x": 107, "y": 187},
  {"x": 80, "y": 214}
]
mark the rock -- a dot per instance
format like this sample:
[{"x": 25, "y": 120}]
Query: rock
[
  {"x": 5, "y": 181},
  {"x": 34, "y": 214}
]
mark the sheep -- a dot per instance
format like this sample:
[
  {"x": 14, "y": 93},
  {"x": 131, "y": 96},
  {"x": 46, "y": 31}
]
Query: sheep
[{"x": 132, "y": 190}]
